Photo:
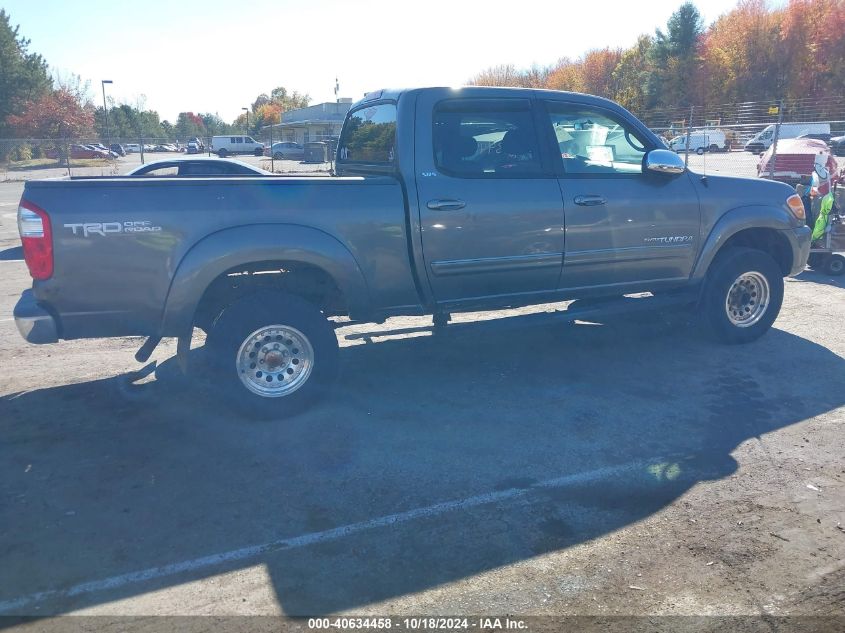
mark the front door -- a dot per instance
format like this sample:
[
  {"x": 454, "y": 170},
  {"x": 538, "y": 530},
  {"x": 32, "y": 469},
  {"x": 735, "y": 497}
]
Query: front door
[
  {"x": 491, "y": 215},
  {"x": 623, "y": 225}
]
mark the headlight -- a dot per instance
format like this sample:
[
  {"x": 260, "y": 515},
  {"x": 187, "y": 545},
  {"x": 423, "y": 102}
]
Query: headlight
[{"x": 796, "y": 206}]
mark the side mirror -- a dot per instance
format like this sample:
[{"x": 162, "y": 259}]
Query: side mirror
[{"x": 664, "y": 161}]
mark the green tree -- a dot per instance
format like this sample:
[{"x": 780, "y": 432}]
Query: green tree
[
  {"x": 23, "y": 75},
  {"x": 674, "y": 55}
]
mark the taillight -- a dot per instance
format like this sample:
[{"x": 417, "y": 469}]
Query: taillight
[{"x": 37, "y": 239}]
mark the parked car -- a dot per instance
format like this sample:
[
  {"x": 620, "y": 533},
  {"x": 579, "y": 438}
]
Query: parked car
[
  {"x": 132, "y": 148},
  {"x": 796, "y": 160},
  {"x": 225, "y": 145},
  {"x": 837, "y": 145},
  {"x": 192, "y": 148},
  {"x": 197, "y": 167},
  {"x": 118, "y": 149},
  {"x": 82, "y": 151},
  {"x": 285, "y": 150},
  {"x": 822, "y": 136},
  {"x": 445, "y": 200},
  {"x": 763, "y": 139},
  {"x": 701, "y": 141}
]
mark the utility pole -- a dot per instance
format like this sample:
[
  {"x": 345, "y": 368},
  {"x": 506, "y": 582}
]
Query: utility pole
[
  {"x": 775, "y": 141},
  {"x": 106, "y": 110},
  {"x": 246, "y": 131}
]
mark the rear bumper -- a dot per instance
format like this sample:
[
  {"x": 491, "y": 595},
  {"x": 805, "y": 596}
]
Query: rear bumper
[{"x": 35, "y": 324}]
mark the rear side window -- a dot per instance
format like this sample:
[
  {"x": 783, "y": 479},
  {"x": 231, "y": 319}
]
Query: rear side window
[
  {"x": 369, "y": 136},
  {"x": 486, "y": 138}
]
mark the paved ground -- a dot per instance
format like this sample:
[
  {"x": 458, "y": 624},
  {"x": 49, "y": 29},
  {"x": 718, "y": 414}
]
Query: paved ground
[{"x": 624, "y": 468}]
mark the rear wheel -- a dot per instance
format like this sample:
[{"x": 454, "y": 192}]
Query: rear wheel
[
  {"x": 714, "y": 148},
  {"x": 742, "y": 295},
  {"x": 278, "y": 156},
  {"x": 835, "y": 265},
  {"x": 272, "y": 354}
]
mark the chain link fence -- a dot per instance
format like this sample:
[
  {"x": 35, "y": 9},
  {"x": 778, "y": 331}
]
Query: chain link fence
[{"x": 781, "y": 140}]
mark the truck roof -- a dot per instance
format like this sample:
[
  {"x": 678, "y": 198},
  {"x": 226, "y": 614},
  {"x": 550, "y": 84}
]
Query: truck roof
[{"x": 487, "y": 91}]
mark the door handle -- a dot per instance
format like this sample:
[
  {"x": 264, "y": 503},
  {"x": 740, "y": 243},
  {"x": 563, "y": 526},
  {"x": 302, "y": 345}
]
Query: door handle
[
  {"x": 446, "y": 205},
  {"x": 590, "y": 201}
]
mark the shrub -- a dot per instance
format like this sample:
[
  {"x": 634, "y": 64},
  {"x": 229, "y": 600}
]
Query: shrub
[{"x": 22, "y": 152}]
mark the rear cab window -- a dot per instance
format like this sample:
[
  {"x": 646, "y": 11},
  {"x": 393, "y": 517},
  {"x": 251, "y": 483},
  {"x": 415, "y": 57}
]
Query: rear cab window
[{"x": 368, "y": 140}]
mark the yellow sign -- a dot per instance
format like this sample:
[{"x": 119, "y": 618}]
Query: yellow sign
[{"x": 774, "y": 110}]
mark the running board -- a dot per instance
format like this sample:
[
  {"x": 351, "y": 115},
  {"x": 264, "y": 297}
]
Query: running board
[{"x": 579, "y": 310}]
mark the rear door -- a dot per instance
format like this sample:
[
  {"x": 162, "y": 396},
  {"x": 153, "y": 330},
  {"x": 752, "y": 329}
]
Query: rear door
[
  {"x": 623, "y": 225},
  {"x": 490, "y": 209}
]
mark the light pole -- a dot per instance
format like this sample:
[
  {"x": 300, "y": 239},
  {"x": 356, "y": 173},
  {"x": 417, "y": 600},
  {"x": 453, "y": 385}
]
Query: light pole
[
  {"x": 247, "y": 120},
  {"x": 106, "y": 110}
]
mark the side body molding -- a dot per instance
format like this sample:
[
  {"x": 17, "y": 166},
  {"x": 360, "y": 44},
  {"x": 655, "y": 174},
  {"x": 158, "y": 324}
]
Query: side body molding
[
  {"x": 219, "y": 252},
  {"x": 747, "y": 217}
]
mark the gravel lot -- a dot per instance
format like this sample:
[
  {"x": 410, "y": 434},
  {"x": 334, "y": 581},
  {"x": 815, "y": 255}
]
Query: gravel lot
[{"x": 619, "y": 468}]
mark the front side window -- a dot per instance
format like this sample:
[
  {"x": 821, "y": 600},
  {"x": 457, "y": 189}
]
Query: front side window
[
  {"x": 591, "y": 141},
  {"x": 369, "y": 135},
  {"x": 478, "y": 138}
]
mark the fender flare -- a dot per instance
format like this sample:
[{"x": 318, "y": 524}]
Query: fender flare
[
  {"x": 742, "y": 218},
  {"x": 229, "y": 248}
]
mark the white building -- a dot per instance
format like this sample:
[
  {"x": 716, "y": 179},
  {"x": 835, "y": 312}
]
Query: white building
[{"x": 314, "y": 123}]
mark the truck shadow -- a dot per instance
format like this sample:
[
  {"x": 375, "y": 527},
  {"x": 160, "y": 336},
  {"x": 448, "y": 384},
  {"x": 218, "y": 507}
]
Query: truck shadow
[{"x": 583, "y": 430}]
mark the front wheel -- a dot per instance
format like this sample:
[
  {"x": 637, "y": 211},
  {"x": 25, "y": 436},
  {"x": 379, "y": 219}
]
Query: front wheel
[
  {"x": 278, "y": 156},
  {"x": 222, "y": 153},
  {"x": 272, "y": 354},
  {"x": 699, "y": 151},
  {"x": 259, "y": 152},
  {"x": 742, "y": 295}
]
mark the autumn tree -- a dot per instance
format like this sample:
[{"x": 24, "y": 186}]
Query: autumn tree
[
  {"x": 53, "y": 115},
  {"x": 813, "y": 43},
  {"x": 23, "y": 75}
]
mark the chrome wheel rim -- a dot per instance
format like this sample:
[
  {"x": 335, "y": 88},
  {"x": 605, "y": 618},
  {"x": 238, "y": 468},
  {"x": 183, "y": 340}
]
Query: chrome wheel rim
[
  {"x": 748, "y": 299},
  {"x": 274, "y": 361}
]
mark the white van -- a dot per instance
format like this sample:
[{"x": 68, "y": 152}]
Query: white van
[
  {"x": 701, "y": 141},
  {"x": 763, "y": 140},
  {"x": 225, "y": 145}
]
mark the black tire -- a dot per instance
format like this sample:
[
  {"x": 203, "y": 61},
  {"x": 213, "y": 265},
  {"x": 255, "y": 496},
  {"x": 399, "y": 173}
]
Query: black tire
[
  {"x": 835, "y": 265},
  {"x": 259, "y": 152},
  {"x": 278, "y": 156},
  {"x": 235, "y": 330},
  {"x": 713, "y": 148},
  {"x": 222, "y": 153},
  {"x": 699, "y": 151},
  {"x": 725, "y": 271}
]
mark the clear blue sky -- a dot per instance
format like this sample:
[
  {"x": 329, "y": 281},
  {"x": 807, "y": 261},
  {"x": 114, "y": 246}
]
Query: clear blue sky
[{"x": 218, "y": 55}]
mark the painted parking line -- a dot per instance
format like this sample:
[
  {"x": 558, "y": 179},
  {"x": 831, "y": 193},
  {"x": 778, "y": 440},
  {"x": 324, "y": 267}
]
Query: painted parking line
[{"x": 304, "y": 540}]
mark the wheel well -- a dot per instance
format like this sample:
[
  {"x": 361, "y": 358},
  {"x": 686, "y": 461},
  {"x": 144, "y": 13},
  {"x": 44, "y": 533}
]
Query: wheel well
[
  {"x": 769, "y": 241},
  {"x": 303, "y": 280}
]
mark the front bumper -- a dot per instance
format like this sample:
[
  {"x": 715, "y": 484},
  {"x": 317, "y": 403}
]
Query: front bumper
[
  {"x": 34, "y": 323},
  {"x": 801, "y": 238}
]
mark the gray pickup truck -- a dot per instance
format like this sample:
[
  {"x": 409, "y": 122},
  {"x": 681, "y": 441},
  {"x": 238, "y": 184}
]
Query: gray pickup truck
[{"x": 444, "y": 200}]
